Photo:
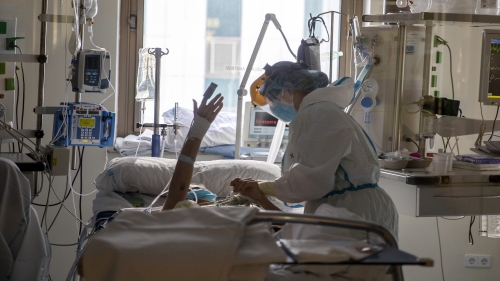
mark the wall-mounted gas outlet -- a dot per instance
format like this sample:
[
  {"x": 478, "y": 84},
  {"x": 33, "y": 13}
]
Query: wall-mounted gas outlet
[{"x": 474, "y": 260}]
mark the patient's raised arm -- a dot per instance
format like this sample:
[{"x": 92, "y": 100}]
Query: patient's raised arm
[{"x": 203, "y": 117}]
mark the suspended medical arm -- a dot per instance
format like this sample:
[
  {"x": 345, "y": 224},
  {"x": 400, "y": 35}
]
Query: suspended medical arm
[
  {"x": 241, "y": 91},
  {"x": 452, "y": 126},
  {"x": 361, "y": 58}
]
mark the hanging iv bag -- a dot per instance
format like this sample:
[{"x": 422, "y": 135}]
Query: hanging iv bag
[{"x": 146, "y": 75}]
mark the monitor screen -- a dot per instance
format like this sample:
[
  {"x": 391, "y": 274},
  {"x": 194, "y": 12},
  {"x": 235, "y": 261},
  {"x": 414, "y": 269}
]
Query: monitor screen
[
  {"x": 489, "y": 81},
  {"x": 263, "y": 125},
  {"x": 494, "y": 69},
  {"x": 259, "y": 127}
]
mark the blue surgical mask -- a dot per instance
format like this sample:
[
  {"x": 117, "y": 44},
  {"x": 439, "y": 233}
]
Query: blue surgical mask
[
  {"x": 201, "y": 194},
  {"x": 284, "y": 111}
]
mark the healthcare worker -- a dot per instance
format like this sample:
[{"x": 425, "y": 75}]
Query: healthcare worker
[{"x": 329, "y": 158}]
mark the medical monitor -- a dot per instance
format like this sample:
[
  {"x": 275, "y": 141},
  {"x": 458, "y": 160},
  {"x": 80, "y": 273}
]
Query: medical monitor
[
  {"x": 489, "y": 83},
  {"x": 259, "y": 127}
]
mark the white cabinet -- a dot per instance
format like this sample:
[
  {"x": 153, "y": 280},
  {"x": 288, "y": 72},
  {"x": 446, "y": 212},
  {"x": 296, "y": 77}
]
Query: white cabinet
[{"x": 449, "y": 195}]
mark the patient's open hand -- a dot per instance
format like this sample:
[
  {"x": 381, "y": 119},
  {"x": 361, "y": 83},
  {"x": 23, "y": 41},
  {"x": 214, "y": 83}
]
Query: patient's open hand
[{"x": 209, "y": 111}]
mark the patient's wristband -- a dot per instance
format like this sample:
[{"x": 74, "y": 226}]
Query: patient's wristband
[
  {"x": 199, "y": 127},
  {"x": 186, "y": 159},
  {"x": 267, "y": 187}
]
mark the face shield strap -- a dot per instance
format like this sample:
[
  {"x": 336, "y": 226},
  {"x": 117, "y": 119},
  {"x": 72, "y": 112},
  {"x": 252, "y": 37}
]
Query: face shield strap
[{"x": 268, "y": 70}]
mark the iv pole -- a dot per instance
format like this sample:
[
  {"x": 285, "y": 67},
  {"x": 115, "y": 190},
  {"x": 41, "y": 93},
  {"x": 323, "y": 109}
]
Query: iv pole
[
  {"x": 242, "y": 91},
  {"x": 155, "y": 141}
]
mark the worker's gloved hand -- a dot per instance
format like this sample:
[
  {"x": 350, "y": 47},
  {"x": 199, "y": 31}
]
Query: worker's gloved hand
[
  {"x": 253, "y": 189},
  {"x": 204, "y": 116}
]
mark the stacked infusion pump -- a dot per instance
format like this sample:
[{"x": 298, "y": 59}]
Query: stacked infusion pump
[
  {"x": 86, "y": 124},
  {"x": 91, "y": 71}
]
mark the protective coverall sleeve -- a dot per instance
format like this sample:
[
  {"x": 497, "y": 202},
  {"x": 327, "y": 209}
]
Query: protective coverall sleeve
[{"x": 324, "y": 139}]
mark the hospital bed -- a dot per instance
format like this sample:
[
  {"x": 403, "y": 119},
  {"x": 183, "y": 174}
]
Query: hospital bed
[
  {"x": 380, "y": 257},
  {"x": 144, "y": 177}
]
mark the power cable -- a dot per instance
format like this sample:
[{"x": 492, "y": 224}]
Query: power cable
[
  {"x": 81, "y": 188},
  {"x": 66, "y": 194},
  {"x": 471, "y": 238},
  {"x": 494, "y": 121},
  {"x": 24, "y": 93},
  {"x": 440, "y": 248}
]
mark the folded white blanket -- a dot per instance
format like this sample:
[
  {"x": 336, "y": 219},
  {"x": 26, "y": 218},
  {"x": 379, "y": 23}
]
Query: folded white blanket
[
  {"x": 134, "y": 141},
  {"x": 181, "y": 244},
  {"x": 129, "y": 146}
]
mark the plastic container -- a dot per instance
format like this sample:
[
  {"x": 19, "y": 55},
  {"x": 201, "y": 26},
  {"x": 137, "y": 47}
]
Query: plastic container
[
  {"x": 441, "y": 163},
  {"x": 444, "y": 6}
]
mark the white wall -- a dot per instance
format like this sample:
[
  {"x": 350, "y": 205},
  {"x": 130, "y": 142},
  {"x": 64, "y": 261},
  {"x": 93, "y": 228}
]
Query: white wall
[{"x": 105, "y": 35}]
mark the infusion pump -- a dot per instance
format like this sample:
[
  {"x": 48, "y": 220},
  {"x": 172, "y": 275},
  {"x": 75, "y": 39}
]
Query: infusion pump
[
  {"x": 83, "y": 124},
  {"x": 91, "y": 71}
]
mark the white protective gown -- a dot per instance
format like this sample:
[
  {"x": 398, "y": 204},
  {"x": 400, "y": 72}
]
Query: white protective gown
[
  {"x": 24, "y": 249},
  {"x": 330, "y": 159}
]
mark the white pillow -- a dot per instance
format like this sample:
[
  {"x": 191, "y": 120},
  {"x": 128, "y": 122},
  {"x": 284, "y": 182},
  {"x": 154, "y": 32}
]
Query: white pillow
[{"x": 150, "y": 175}]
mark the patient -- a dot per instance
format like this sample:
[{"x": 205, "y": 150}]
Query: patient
[{"x": 178, "y": 186}]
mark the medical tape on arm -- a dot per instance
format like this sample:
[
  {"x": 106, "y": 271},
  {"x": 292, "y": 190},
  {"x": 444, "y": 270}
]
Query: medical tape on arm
[
  {"x": 199, "y": 128},
  {"x": 267, "y": 187},
  {"x": 186, "y": 159}
]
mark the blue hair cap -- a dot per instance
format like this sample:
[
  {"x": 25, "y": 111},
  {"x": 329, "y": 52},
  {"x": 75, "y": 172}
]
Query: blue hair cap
[{"x": 291, "y": 76}]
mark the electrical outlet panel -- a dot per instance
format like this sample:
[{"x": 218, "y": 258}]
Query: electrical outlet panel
[
  {"x": 475, "y": 260},
  {"x": 58, "y": 159},
  {"x": 8, "y": 87}
]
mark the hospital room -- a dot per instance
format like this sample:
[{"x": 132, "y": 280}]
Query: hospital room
[{"x": 249, "y": 140}]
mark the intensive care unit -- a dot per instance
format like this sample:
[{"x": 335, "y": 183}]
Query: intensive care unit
[{"x": 91, "y": 150}]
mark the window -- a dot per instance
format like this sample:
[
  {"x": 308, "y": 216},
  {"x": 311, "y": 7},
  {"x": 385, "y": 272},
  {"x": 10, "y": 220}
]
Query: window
[{"x": 212, "y": 41}]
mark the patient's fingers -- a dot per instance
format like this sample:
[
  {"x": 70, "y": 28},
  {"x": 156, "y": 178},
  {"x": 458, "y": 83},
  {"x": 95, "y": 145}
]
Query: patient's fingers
[
  {"x": 217, "y": 99},
  {"x": 248, "y": 188},
  {"x": 209, "y": 111},
  {"x": 195, "y": 106},
  {"x": 234, "y": 181},
  {"x": 238, "y": 180}
]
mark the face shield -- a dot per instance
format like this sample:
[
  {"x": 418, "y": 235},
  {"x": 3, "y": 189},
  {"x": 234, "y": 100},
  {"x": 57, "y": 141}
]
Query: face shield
[
  {"x": 273, "y": 91},
  {"x": 270, "y": 98}
]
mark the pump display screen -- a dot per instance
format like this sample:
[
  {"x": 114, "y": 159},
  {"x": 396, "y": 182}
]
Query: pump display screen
[
  {"x": 92, "y": 70},
  {"x": 92, "y": 62},
  {"x": 494, "y": 70},
  {"x": 263, "y": 125},
  {"x": 86, "y": 123}
]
